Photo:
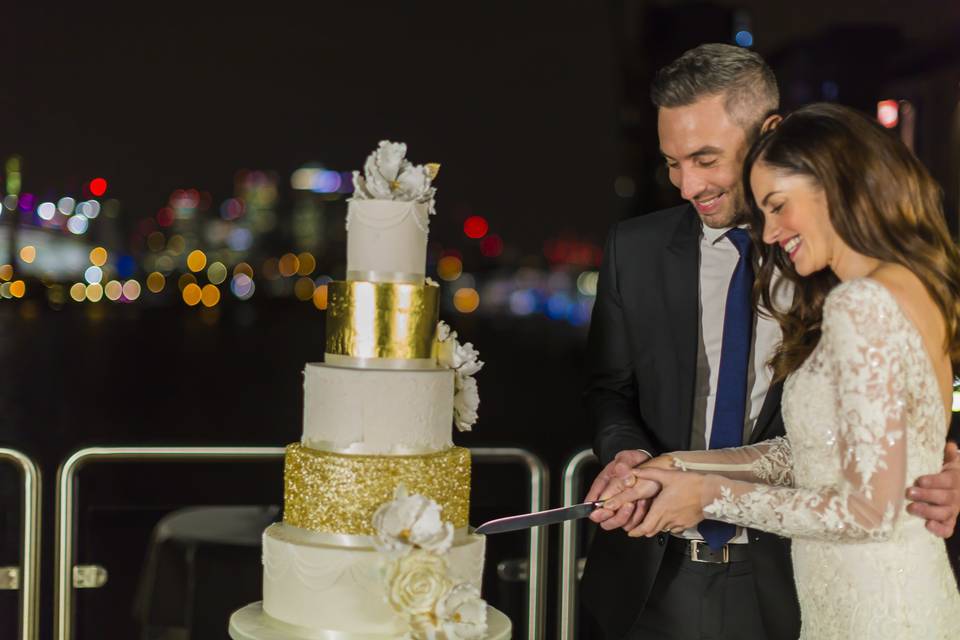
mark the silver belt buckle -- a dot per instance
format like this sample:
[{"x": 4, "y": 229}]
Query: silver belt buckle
[{"x": 695, "y": 553}]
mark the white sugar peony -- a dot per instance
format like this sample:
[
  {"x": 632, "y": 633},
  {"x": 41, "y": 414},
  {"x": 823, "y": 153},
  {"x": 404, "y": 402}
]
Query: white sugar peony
[
  {"x": 389, "y": 158},
  {"x": 463, "y": 358},
  {"x": 387, "y": 175},
  {"x": 465, "y": 361},
  {"x": 466, "y": 401},
  {"x": 412, "y": 183},
  {"x": 462, "y": 614},
  {"x": 411, "y": 522},
  {"x": 444, "y": 332}
]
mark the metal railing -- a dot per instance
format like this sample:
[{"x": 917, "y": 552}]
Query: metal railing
[
  {"x": 28, "y": 577},
  {"x": 68, "y": 496},
  {"x": 570, "y": 537},
  {"x": 537, "y": 562}
]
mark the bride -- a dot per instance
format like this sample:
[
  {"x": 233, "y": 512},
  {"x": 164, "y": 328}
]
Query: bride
[{"x": 869, "y": 346}]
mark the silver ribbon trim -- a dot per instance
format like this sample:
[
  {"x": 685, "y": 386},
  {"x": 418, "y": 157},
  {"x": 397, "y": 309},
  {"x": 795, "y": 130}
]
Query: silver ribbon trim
[
  {"x": 406, "y": 277},
  {"x": 363, "y": 449},
  {"x": 353, "y": 362},
  {"x": 289, "y": 533}
]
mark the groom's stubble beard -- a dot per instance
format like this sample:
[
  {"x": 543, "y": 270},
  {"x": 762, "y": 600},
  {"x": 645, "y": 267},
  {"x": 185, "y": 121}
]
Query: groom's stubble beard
[{"x": 738, "y": 214}]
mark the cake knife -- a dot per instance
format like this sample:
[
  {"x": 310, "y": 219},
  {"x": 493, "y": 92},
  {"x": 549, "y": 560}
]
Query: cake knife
[{"x": 538, "y": 518}]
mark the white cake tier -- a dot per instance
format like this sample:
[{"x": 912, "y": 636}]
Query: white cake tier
[
  {"x": 372, "y": 411},
  {"x": 310, "y": 582},
  {"x": 387, "y": 240}
]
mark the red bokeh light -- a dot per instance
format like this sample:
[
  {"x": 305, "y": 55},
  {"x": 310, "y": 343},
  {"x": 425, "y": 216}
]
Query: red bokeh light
[
  {"x": 560, "y": 251},
  {"x": 475, "y": 227},
  {"x": 165, "y": 217},
  {"x": 491, "y": 246},
  {"x": 98, "y": 186},
  {"x": 888, "y": 113}
]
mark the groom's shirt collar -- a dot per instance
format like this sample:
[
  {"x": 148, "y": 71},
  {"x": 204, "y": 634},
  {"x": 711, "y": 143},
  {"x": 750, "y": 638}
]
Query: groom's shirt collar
[{"x": 713, "y": 236}]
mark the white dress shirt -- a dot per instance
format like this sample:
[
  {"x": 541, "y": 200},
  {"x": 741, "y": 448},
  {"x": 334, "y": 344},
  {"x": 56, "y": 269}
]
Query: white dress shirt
[{"x": 718, "y": 260}]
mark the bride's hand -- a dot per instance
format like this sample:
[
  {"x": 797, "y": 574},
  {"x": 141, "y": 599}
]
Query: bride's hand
[{"x": 678, "y": 505}]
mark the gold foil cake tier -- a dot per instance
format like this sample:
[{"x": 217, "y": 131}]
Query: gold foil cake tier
[
  {"x": 339, "y": 493},
  {"x": 382, "y": 320}
]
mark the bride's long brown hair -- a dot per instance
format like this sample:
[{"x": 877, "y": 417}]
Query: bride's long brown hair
[{"x": 882, "y": 203}]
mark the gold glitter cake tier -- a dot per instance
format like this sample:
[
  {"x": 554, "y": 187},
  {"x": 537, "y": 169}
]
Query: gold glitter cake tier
[
  {"x": 390, "y": 320},
  {"x": 339, "y": 493}
]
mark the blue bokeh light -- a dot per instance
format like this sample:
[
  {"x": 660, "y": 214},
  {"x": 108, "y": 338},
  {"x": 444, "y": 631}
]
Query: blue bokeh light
[{"x": 126, "y": 266}]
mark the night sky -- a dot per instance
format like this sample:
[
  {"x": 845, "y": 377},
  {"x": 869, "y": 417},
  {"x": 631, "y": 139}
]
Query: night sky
[
  {"x": 521, "y": 102},
  {"x": 518, "y": 104}
]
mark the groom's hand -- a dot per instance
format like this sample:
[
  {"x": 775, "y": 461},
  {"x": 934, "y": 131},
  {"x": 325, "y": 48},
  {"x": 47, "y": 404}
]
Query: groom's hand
[
  {"x": 676, "y": 507},
  {"x": 937, "y": 496},
  {"x": 611, "y": 481}
]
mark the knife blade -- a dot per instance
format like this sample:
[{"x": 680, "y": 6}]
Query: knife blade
[{"x": 538, "y": 518}]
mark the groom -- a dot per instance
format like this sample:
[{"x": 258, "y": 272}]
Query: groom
[{"x": 664, "y": 374}]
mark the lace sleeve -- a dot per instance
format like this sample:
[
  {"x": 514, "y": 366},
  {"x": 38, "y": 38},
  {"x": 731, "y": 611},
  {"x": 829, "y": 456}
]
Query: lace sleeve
[
  {"x": 768, "y": 462},
  {"x": 862, "y": 359}
]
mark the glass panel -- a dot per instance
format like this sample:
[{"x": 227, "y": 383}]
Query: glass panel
[{"x": 180, "y": 542}]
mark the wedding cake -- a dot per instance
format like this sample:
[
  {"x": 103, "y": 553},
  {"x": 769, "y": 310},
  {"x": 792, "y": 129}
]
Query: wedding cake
[{"x": 374, "y": 541}]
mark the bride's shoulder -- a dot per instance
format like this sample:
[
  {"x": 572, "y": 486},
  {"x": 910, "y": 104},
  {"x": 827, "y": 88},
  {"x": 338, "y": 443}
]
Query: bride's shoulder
[
  {"x": 860, "y": 294},
  {"x": 862, "y": 306},
  {"x": 891, "y": 292}
]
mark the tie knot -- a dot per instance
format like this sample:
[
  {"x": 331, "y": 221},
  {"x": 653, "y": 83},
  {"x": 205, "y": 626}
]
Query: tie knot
[{"x": 741, "y": 240}]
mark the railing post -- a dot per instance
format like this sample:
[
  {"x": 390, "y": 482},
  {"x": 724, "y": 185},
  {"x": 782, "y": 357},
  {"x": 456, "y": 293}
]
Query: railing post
[
  {"x": 29, "y": 578},
  {"x": 571, "y": 494},
  {"x": 537, "y": 573}
]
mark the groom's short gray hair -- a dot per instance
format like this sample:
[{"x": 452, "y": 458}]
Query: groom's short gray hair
[{"x": 741, "y": 75}]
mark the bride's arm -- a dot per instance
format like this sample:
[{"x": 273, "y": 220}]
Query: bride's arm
[
  {"x": 866, "y": 367},
  {"x": 767, "y": 462}
]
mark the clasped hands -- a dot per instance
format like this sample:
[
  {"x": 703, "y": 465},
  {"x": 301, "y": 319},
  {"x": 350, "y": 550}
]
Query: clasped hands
[{"x": 646, "y": 496}]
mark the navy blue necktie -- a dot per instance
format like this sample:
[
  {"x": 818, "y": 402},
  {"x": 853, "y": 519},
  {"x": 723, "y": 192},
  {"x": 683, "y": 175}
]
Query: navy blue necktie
[{"x": 730, "y": 409}]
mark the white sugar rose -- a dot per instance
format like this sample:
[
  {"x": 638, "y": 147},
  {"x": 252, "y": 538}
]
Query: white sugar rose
[
  {"x": 411, "y": 522},
  {"x": 462, "y": 614},
  {"x": 423, "y": 627},
  {"x": 416, "y": 583},
  {"x": 466, "y": 401}
]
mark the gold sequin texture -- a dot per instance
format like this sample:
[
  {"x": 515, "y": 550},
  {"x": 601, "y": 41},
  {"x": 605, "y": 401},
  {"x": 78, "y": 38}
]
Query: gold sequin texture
[
  {"x": 339, "y": 493},
  {"x": 382, "y": 319}
]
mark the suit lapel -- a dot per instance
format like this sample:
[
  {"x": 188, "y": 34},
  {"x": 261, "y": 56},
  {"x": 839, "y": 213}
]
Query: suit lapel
[{"x": 681, "y": 285}]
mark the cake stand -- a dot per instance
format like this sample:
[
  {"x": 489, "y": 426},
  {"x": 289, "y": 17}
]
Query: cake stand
[{"x": 252, "y": 623}]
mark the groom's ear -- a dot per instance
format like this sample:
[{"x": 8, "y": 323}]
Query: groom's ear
[{"x": 771, "y": 123}]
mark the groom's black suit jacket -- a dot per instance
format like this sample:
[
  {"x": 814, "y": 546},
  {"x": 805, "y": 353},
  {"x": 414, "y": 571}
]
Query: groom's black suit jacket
[{"x": 642, "y": 363}]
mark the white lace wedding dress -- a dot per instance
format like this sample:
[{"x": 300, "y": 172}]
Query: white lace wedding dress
[{"x": 864, "y": 417}]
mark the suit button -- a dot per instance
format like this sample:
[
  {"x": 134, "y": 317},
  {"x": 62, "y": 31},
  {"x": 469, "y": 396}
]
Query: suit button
[{"x": 661, "y": 539}]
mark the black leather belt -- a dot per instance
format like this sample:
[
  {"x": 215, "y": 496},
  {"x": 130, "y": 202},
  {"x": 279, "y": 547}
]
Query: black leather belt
[{"x": 699, "y": 551}]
